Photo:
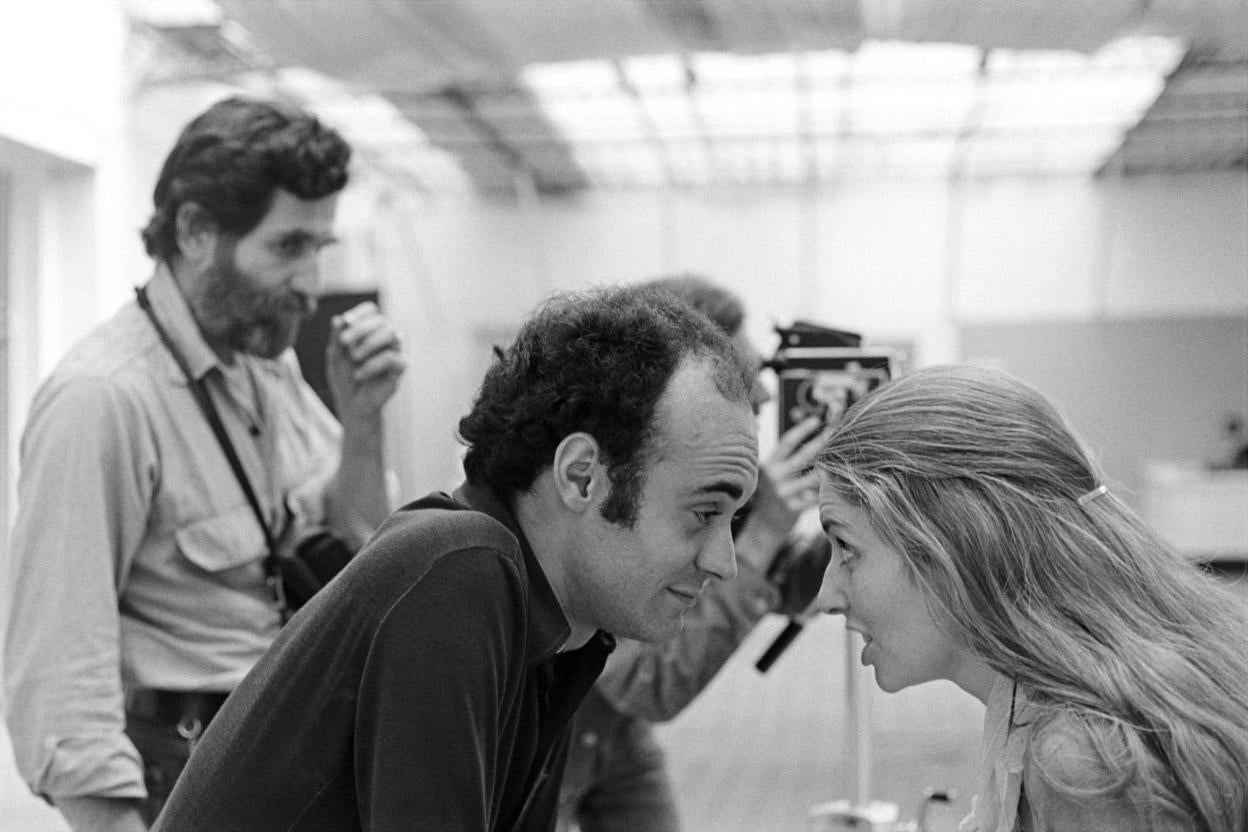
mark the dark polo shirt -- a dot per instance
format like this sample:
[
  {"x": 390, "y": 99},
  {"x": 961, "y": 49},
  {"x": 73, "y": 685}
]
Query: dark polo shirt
[{"x": 421, "y": 690}]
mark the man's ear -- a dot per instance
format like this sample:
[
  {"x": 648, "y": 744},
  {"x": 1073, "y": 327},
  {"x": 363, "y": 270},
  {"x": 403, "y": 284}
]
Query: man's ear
[
  {"x": 579, "y": 472},
  {"x": 196, "y": 233}
]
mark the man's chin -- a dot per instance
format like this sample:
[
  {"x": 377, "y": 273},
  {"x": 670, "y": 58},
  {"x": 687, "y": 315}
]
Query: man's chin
[
  {"x": 655, "y": 631},
  {"x": 267, "y": 341}
]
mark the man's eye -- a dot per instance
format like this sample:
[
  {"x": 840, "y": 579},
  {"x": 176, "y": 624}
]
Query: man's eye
[
  {"x": 705, "y": 516},
  {"x": 293, "y": 247}
]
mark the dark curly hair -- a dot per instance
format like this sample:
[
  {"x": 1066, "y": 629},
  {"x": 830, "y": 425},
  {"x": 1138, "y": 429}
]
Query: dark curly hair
[
  {"x": 231, "y": 159},
  {"x": 597, "y": 362}
]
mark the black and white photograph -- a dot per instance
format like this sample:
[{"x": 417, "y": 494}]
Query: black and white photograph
[{"x": 624, "y": 415}]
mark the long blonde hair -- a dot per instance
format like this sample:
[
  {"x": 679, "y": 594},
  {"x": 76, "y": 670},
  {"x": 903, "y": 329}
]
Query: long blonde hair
[{"x": 975, "y": 478}]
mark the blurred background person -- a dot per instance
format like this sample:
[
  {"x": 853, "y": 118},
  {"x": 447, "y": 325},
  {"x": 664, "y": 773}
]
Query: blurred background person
[
  {"x": 616, "y": 779},
  {"x": 976, "y": 541},
  {"x": 139, "y": 585}
]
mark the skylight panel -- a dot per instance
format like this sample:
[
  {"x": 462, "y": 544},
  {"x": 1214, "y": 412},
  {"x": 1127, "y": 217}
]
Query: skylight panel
[
  {"x": 1149, "y": 54},
  {"x": 1068, "y": 111},
  {"x": 659, "y": 85},
  {"x": 749, "y": 112},
  {"x": 914, "y": 61},
  {"x": 919, "y": 105},
  {"x": 672, "y": 115},
  {"x": 571, "y": 78},
  {"x": 825, "y": 68},
  {"x": 656, "y": 74},
  {"x": 716, "y": 69},
  {"x": 1052, "y": 152},
  {"x": 622, "y": 165},
  {"x": 611, "y": 117},
  {"x": 888, "y": 108}
]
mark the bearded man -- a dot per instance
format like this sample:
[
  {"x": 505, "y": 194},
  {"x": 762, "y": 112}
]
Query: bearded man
[{"x": 140, "y": 585}]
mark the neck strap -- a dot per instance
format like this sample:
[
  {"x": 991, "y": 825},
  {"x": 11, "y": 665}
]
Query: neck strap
[{"x": 204, "y": 400}]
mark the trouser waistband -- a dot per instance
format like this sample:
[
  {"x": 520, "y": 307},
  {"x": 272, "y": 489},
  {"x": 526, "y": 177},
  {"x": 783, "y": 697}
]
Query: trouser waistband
[{"x": 174, "y": 706}]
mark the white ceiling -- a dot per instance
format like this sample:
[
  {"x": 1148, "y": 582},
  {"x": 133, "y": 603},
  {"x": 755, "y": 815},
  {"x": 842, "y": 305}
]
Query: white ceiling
[{"x": 457, "y": 69}]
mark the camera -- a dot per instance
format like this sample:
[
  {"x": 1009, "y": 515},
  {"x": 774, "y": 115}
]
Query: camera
[{"x": 822, "y": 371}]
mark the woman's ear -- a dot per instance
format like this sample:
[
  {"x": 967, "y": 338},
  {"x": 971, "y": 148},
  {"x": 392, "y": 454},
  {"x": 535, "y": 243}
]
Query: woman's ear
[
  {"x": 196, "y": 233},
  {"x": 578, "y": 471}
]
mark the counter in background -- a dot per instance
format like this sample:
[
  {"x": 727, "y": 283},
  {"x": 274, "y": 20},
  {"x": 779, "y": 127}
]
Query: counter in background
[{"x": 1201, "y": 512}]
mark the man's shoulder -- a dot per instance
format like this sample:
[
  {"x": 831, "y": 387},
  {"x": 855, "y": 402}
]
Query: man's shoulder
[
  {"x": 437, "y": 525},
  {"x": 444, "y": 551},
  {"x": 119, "y": 350}
]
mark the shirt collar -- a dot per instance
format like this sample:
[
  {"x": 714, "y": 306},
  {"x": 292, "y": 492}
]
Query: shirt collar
[
  {"x": 174, "y": 313},
  {"x": 549, "y": 629}
]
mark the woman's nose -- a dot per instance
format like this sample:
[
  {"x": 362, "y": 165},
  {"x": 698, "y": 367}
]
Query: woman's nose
[{"x": 831, "y": 597}]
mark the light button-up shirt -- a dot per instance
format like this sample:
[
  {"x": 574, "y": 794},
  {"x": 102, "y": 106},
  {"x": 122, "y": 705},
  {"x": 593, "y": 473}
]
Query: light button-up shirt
[{"x": 135, "y": 559}]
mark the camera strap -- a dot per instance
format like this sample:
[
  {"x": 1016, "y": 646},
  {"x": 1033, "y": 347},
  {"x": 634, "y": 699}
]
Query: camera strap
[{"x": 204, "y": 400}]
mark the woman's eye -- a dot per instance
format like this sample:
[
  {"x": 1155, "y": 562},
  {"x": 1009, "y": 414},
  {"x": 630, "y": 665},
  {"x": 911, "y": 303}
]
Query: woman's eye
[
  {"x": 705, "y": 516},
  {"x": 846, "y": 553}
]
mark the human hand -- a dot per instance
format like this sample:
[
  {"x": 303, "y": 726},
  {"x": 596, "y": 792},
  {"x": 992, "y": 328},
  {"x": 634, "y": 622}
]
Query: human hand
[
  {"x": 363, "y": 361},
  {"x": 787, "y": 486},
  {"x": 794, "y": 485}
]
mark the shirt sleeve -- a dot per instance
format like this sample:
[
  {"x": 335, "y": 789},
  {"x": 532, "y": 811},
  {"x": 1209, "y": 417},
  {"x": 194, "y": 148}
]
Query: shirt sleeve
[
  {"x": 315, "y": 498},
  {"x": 316, "y": 435},
  {"x": 657, "y": 681},
  {"x": 451, "y": 650},
  {"x": 87, "y": 469}
]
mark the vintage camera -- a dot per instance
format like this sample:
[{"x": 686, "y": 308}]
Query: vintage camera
[{"x": 822, "y": 371}]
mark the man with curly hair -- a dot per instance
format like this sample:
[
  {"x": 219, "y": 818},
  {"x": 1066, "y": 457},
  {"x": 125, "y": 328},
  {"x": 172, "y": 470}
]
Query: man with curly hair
[
  {"x": 432, "y": 684},
  {"x": 138, "y": 583}
]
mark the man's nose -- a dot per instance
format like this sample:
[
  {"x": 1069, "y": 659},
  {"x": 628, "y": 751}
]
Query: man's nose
[
  {"x": 831, "y": 597},
  {"x": 307, "y": 277},
  {"x": 719, "y": 556}
]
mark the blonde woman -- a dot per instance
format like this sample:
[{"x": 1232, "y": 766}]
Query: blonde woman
[{"x": 976, "y": 541}]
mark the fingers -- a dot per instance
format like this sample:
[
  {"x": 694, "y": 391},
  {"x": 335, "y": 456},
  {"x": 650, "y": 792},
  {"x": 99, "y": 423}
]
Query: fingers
[
  {"x": 796, "y": 435},
  {"x": 362, "y": 333},
  {"x": 792, "y": 461},
  {"x": 383, "y": 365}
]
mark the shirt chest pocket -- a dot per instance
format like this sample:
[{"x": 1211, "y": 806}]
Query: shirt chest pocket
[{"x": 224, "y": 541}]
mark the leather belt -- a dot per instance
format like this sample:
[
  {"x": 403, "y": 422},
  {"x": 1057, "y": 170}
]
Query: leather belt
[{"x": 175, "y": 706}]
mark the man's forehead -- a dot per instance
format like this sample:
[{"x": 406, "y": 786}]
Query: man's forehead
[
  {"x": 696, "y": 426},
  {"x": 288, "y": 212}
]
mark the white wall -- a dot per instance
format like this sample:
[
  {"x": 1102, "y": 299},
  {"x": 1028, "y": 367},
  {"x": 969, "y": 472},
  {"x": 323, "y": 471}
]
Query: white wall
[
  {"x": 61, "y": 70},
  {"x": 61, "y": 88},
  {"x": 900, "y": 262}
]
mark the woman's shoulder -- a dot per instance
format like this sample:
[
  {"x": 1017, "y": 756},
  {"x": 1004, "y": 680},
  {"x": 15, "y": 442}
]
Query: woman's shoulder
[
  {"x": 1082, "y": 752},
  {"x": 1086, "y": 770}
]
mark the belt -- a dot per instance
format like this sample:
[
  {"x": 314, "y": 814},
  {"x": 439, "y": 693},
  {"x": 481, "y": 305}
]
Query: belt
[{"x": 174, "y": 706}]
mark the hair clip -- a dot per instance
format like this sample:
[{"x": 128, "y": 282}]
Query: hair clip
[{"x": 1092, "y": 495}]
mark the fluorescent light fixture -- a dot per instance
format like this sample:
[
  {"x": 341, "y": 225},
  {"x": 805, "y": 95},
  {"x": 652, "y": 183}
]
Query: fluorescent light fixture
[
  {"x": 897, "y": 60},
  {"x": 888, "y": 109}
]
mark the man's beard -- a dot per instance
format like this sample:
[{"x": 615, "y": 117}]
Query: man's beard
[{"x": 234, "y": 313}]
